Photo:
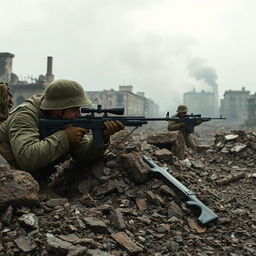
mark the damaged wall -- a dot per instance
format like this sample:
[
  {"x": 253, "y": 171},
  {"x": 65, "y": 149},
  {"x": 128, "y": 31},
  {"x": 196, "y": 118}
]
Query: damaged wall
[
  {"x": 251, "y": 119},
  {"x": 20, "y": 89},
  {"x": 234, "y": 105}
]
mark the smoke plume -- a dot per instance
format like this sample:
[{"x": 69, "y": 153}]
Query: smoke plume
[{"x": 199, "y": 70}]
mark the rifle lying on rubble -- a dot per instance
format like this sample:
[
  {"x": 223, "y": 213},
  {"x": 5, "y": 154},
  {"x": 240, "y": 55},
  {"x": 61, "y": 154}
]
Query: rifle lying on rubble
[
  {"x": 206, "y": 215},
  {"x": 95, "y": 123},
  {"x": 192, "y": 120}
]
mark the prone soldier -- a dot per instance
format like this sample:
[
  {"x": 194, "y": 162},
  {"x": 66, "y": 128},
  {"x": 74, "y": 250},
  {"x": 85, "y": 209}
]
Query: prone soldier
[{"x": 20, "y": 142}]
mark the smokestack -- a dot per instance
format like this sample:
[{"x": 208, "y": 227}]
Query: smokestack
[
  {"x": 49, "y": 75},
  {"x": 49, "y": 65}
]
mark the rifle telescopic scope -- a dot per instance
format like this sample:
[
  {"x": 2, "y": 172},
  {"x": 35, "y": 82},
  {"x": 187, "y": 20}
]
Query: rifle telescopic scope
[{"x": 117, "y": 110}]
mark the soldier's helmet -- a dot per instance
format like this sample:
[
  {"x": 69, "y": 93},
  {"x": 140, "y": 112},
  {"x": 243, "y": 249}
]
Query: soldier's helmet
[
  {"x": 62, "y": 94},
  {"x": 182, "y": 109}
]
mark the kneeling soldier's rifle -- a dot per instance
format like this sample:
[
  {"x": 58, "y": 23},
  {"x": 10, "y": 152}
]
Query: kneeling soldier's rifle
[
  {"x": 192, "y": 120},
  {"x": 206, "y": 215},
  {"x": 95, "y": 123}
]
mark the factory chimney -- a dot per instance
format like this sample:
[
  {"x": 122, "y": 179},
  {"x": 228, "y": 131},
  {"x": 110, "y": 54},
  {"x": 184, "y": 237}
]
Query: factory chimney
[{"x": 49, "y": 75}]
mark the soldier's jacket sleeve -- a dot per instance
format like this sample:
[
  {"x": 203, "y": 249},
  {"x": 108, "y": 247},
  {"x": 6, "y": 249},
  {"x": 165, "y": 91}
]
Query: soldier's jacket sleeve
[
  {"x": 198, "y": 122},
  {"x": 30, "y": 152},
  {"x": 174, "y": 126}
]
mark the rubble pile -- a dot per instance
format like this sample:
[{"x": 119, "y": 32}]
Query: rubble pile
[
  {"x": 236, "y": 144},
  {"x": 117, "y": 207}
]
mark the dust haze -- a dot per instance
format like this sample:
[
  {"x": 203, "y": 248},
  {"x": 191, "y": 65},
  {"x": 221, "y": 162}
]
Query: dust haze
[{"x": 164, "y": 48}]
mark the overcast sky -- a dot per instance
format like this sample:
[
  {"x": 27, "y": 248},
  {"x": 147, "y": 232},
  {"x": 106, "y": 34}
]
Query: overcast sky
[{"x": 160, "y": 47}]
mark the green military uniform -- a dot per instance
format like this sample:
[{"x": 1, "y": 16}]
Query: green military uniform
[
  {"x": 174, "y": 126},
  {"x": 21, "y": 146}
]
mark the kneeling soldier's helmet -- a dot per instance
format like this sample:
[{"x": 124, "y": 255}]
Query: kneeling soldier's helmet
[
  {"x": 182, "y": 108},
  {"x": 62, "y": 94}
]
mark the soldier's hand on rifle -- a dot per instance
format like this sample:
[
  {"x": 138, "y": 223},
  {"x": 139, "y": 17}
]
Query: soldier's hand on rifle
[
  {"x": 75, "y": 134},
  {"x": 111, "y": 127}
]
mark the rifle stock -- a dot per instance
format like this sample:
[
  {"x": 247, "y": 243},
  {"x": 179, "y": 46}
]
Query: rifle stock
[{"x": 207, "y": 215}]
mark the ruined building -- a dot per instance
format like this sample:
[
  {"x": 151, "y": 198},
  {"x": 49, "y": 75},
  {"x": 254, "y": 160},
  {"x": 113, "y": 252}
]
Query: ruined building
[
  {"x": 23, "y": 89},
  {"x": 6, "y": 74},
  {"x": 203, "y": 103},
  {"x": 234, "y": 105},
  {"x": 251, "y": 118},
  {"x": 134, "y": 104}
]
